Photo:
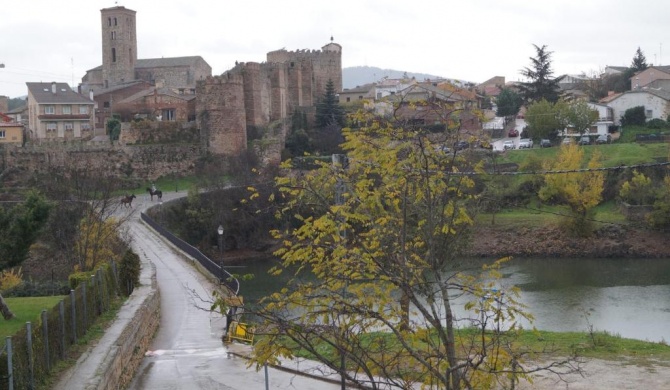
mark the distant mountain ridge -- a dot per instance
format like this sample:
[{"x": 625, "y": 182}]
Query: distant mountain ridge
[{"x": 357, "y": 76}]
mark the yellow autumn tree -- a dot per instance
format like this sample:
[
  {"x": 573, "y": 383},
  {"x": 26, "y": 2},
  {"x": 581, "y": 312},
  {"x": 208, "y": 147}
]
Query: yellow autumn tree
[
  {"x": 576, "y": 184},
  {"x": 372, "y": 243},
  {"x": 98, "y": 242}
]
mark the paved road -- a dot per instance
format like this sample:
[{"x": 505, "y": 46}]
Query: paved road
[{"x": 187, "y": 352}]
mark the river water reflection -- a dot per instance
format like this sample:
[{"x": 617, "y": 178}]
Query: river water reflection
[{"x": 628, "y": 297}]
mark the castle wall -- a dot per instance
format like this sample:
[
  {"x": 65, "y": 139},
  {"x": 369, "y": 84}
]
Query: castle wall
[
  {"x": 253, "y": 106},
  {"x": 145, "y": 161},
  {"x": 220, "y": 114},
  {"x": 280, "y": 106}
]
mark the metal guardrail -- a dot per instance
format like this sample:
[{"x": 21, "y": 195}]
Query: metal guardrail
[{"x": 215, "y": 269}]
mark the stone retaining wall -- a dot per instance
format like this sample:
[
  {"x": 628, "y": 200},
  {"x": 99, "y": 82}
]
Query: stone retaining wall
[{"x": 122, "y": 361}]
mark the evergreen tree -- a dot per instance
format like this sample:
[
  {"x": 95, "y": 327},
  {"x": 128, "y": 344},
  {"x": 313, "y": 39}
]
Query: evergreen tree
[
  {"x": 328, "y": 110},
  {"x": 508, "y": 102},
  {"x": 639, "y": 61},
  {"x": 541, "y": 84}
]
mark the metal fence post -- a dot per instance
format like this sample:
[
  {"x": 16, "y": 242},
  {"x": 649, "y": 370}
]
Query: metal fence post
[
  {"x": 29, "y": 347},
  {"x": 45, "y": 335},
  {"x": 84, "y": 300},
  {"x": 74, "y": 318},
  {"x": 61, "y": 320},
  {"x": 95, "y": 294},
  {"x": 10, "y": 366}
]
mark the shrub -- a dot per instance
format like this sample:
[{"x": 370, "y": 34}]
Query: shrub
[
  {"x": 129, "y": 272},
  {"x": 634, "y": 116},
  {"x": 10, "y": 278},
  {"x": 657, "y": 124}
]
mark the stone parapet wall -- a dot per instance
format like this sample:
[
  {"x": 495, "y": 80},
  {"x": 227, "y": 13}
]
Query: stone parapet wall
[{"x": 122, "y": 361}]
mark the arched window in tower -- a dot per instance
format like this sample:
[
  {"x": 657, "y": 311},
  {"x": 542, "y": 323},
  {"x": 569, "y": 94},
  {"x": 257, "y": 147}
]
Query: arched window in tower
[
  {"x": 113, "y": 35},
  {"x": 115, "y": 21},
  {"x": 113, "y": 55},
  {"x": 109, "y": 21},
  {"x": 130, "y": 55}
]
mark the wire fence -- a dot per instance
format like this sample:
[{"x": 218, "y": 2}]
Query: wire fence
[{"x": 34, "y": 350}]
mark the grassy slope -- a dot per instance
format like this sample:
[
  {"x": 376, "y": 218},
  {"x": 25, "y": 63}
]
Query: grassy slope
[{"x": 25, "y": 309}]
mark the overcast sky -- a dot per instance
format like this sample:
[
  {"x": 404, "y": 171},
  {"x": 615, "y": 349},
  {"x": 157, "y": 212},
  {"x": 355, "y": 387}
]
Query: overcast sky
[{"x": 472, "y": 40}]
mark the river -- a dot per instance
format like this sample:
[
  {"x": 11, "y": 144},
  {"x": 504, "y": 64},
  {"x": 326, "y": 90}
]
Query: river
[{"x": 626, "y": 297}]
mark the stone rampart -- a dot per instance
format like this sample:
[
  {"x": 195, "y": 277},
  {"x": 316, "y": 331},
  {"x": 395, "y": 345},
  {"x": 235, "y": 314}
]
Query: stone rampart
[
  {"x": 221, "y": 115},
  {"x": 143, "y": 161}
]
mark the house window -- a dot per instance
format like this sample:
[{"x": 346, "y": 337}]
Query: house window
[
  {"x": 83, "y": 110},
  {"x": 181, "y": 91},
  {"x": 650, "y": 113},
  {"x": 168, "y": 114},
  {"x": 52, "y": 126},
  {"x": 67, "y": 110},
  {"x": 2, "y": 134},
  {"x": 68, "y": 126},
  {"x": 49, "y": 110},
  {"x": 86, "y": 126},
  {"x": 115, "y": 21},
  {"x": 113, "y": 55},
  {"x": 360, "y": 97},
  {"x": 105, "y": 105},
  {"x": 348, "y": 99}
]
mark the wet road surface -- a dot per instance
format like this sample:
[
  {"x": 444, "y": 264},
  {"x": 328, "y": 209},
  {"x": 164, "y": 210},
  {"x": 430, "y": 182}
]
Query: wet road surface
[{"x": 187, "y": 352}]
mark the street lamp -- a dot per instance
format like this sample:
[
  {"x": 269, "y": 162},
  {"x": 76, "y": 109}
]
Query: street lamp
[{"x": 220, "y": 231}]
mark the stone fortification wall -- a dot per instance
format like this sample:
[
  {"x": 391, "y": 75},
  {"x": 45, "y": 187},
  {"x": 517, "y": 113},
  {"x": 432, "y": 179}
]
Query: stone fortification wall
[
  {"x": 221, "y": 115},
  {"x": 144, "y": 161},
  {"x": 253, "y": 101},
  {"x": 325, "y": 65}
]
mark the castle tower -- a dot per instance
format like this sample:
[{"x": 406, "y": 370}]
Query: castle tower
[{"x": 119, "y": 45}]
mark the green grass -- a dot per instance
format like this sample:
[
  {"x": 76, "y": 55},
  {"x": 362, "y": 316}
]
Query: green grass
[
  {"x": 613, "y": 155},
  {"x": 25, "y": 309},
  {"x": 538, "y": 215},
  {"x": 598, "y": 345}
]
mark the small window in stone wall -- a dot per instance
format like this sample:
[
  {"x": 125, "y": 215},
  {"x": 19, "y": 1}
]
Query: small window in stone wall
[
  {"x": 69, "y": 126},
  {"x": 52, "y": 126}
]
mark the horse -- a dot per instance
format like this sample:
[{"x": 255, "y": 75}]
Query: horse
[
  {"x": 158, "y": 193},
  {"x": 128, "y": 200}
]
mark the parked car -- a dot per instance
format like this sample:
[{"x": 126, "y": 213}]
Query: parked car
[
  {"x": 545, "y": 143},
  {"x": 567, "y": 141},
  {"x": 584, "y": 140},
  {"x": 508, "y": 145},
  {"x": 603, "y": 139},
  {"x": 513, "y": 133},
  {"x": 526, "y": 143},
  {"x": 460, "y": 145}
]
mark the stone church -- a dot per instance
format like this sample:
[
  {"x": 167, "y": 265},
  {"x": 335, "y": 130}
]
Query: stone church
[{"x": 120, "y": 64}]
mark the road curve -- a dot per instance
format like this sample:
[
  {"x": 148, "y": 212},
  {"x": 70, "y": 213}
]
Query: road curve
[{"x": 187, "y": 352}]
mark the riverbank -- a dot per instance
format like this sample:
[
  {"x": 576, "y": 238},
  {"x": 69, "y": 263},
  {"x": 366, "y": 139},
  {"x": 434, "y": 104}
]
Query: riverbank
[{"x": 610, "y": 241}]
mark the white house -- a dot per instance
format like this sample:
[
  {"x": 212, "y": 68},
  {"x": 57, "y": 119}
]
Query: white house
[{"x": 656, "y": 103}]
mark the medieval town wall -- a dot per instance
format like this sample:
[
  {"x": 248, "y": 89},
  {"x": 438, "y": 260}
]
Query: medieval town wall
[
  {"x": 143, "y": 161},
  {"x": 221, "y": 115}
]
